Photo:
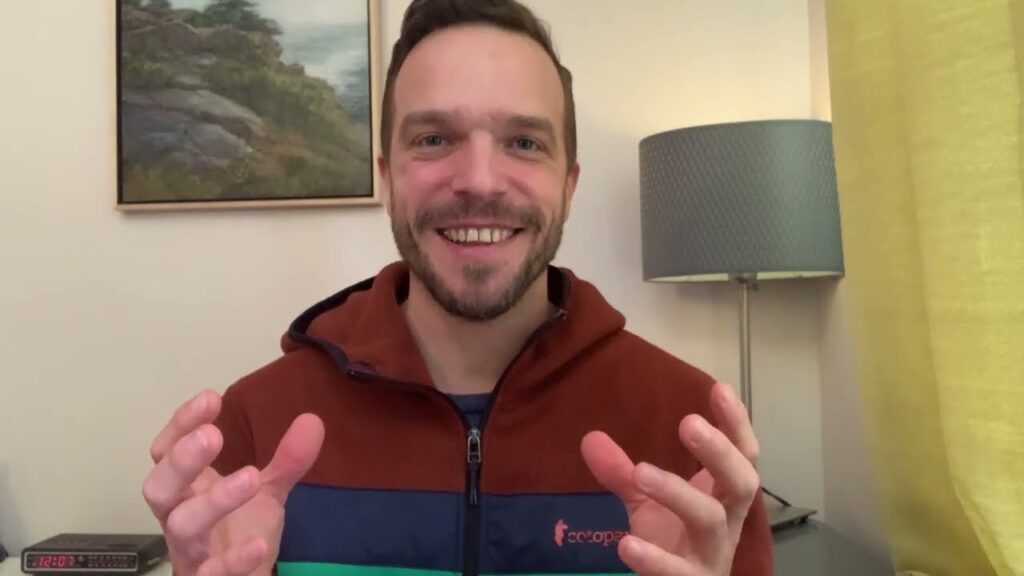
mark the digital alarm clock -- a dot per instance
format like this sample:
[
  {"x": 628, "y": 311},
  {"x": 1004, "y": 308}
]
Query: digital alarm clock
[{"x": 94, "y": 554}]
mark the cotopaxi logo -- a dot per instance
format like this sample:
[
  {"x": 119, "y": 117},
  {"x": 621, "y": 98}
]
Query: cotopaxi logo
[{"x": 564, "y": 536}]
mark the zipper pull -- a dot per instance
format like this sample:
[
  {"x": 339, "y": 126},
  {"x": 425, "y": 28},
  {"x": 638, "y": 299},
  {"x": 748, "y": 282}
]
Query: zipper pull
[{"x": 474, "y": 457}]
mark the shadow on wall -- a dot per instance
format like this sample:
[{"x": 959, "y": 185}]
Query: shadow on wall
[
  {"x": 851, "y": 493},
  {"x": 10, "y": 520}
]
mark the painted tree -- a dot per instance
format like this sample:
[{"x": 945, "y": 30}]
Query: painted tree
[{"x": 241, "y": 14}]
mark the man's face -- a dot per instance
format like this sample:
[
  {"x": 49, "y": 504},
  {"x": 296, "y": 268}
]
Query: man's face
[{"x": 478, "y": 181}]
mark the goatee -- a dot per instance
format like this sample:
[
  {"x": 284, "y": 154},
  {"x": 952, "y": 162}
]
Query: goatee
[{"x": 476, "y": 307}]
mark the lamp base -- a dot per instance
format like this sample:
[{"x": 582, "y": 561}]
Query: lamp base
[{"x": 782, "y": 514}]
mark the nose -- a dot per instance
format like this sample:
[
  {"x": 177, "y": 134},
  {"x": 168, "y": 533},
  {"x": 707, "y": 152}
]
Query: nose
[{"x": 477, "y": 169}]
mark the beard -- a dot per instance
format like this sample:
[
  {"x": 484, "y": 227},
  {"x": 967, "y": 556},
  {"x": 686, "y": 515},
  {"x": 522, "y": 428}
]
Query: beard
[{"x": 477, "y": 305}]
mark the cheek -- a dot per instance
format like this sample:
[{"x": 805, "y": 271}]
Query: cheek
[
  {"x": 418, "y": 180},
  {"x": 545, "y": 187},
  {"x": 414, "y": 185}
]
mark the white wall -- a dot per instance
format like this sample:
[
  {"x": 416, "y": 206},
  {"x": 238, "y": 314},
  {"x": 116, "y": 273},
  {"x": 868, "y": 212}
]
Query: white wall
[{"x": 109, "y": 321}]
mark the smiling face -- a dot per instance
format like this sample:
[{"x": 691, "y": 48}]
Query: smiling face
[{"x": 478, "y": 181}]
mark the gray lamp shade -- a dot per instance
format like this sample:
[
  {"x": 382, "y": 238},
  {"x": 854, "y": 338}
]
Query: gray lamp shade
[{"x": 749, "y": 198}]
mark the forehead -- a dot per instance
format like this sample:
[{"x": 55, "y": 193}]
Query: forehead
[{"x": 479, "y": 70}]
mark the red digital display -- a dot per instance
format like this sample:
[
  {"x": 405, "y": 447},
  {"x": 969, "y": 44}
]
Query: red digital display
[{"x": 51, "y": 561}]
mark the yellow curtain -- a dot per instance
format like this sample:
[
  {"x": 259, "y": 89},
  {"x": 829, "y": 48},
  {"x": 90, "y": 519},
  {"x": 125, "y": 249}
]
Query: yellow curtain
[{"x": 927, "y": 119}]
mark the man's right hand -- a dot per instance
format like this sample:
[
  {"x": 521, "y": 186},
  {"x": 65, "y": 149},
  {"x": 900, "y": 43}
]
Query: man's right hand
[{"x": 216, "y": 525}]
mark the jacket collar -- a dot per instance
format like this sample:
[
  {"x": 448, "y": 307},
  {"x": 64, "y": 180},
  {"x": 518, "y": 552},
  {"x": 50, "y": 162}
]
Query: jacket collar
[{"x": 363, "y": 330}]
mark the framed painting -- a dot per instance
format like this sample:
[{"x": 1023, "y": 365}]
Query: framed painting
[{"x": 246, "y": 103}]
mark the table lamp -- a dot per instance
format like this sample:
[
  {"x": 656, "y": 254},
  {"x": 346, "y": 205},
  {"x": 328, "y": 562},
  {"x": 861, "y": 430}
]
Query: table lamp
[{"x": 741, "y": 202}]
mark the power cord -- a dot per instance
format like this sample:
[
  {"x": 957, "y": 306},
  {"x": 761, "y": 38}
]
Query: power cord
[{"x": 776, "y": 497}]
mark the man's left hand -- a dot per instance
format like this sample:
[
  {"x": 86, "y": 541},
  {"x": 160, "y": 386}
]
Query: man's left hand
[{"x": 680, "y": 527}]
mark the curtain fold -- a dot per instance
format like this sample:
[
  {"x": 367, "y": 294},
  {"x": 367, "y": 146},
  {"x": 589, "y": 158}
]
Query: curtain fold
[{"x": 928, "y": 125}]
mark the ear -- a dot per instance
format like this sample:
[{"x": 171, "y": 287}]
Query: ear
[
  {"x": 570, "y": 187},
  {"x": 385, "y": 183}
]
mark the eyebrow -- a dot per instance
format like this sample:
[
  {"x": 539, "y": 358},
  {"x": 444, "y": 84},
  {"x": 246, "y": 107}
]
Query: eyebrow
[
  {"x": 424, "y": 117},
  {"x": 533, "y": 123}
]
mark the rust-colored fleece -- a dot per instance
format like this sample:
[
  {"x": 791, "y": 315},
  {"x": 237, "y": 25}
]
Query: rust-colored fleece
[{"x": 353, "y": 361}]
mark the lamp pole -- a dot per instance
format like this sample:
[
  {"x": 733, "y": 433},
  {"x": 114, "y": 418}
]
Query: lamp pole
[{"x": 748, "y": 282}]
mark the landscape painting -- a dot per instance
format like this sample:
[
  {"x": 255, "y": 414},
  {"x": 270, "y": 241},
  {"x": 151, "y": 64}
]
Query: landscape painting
[{"x": 243, "y": 103}]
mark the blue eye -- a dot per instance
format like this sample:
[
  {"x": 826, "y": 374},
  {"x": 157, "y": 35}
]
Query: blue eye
[
  {"x": 526, "y": 144},
  {"x": 432, "y": 141}
]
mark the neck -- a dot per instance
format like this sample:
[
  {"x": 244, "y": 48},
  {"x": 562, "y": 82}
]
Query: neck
[{"x": 466, "y": 357}]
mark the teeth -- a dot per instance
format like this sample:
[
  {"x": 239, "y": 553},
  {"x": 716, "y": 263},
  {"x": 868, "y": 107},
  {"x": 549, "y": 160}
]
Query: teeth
[{"x": 478, "y": 235}]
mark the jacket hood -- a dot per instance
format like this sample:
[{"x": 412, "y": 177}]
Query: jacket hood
[{"x": 364, "y": 331}]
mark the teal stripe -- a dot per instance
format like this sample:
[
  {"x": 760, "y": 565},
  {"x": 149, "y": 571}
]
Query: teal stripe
[{"x": 323, "y": 569}]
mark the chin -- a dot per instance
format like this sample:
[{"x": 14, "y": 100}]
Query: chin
[
  {"x": 475, "y": 283},
  {"x": 480, "y": 296},
  {"x": 475, "y": 298},
  {"x": 469, "y": 289}
]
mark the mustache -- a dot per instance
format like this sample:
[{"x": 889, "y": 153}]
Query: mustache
[{"x": 434, "y": 217}]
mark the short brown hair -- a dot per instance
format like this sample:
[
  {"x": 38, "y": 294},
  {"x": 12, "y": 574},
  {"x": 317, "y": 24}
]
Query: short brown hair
[{"x": 424, "y": 17}]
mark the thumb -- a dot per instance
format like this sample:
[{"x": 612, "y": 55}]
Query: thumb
[{"x": 295, "y": 455}]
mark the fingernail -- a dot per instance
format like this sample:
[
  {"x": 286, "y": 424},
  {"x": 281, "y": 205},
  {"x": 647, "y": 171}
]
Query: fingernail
[
  {"x": 699, "y": 432},
  {"x": 633, "y": 546},
  {"x": 728, "y": 394},
  {"x": 200, "y": 403},
  {"x": 201, "y": 439},
  {"x": 646, "y": 476},
  {"x": 239, "y": 481}
]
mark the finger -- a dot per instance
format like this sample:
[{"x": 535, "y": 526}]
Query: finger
[
  {"x": 736, "y": 479},
  {"x": 192, "y": 521},
  {"x": 168, "y": 483},
  {"x": 238, "y": 561},
  {"x": 202, "y": 409},
  {"x": 646, "y": 559},
  {"x": 294, "y": 456},
  {"x": 734, "y": 420},
  {"x": 704, "y": 517},
  {"x": 612, "y": 467}
]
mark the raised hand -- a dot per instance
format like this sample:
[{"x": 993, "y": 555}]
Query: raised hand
[
  {"x": 680, "y": 527},
  {"x": 215, "y": 525}
]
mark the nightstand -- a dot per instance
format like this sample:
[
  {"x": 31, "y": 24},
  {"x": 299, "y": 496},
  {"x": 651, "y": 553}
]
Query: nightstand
[{"x": 814, "y": 549}]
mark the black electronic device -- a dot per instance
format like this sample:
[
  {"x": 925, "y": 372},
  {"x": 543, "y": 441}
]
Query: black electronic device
[{"x": 94, "y": 554}]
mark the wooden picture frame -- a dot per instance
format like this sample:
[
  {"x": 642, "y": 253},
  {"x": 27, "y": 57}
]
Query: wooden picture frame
[{"x": 221, "y": 105}]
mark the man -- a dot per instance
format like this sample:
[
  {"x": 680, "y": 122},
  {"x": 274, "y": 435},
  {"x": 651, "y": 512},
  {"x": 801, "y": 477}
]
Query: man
[{"x": 471, "y": 409}]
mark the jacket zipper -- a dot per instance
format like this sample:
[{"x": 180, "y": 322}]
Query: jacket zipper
[
  {"x": 474, "y": 447},
  {"x": 474, "y": 459}
]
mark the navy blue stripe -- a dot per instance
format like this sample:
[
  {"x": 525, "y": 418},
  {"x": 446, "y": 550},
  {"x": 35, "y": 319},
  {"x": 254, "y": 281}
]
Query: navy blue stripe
[
  {"x": 402, "y": 529},
  {"x": 557, "y": 533},
  {"x": 521, "y": 534}
]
